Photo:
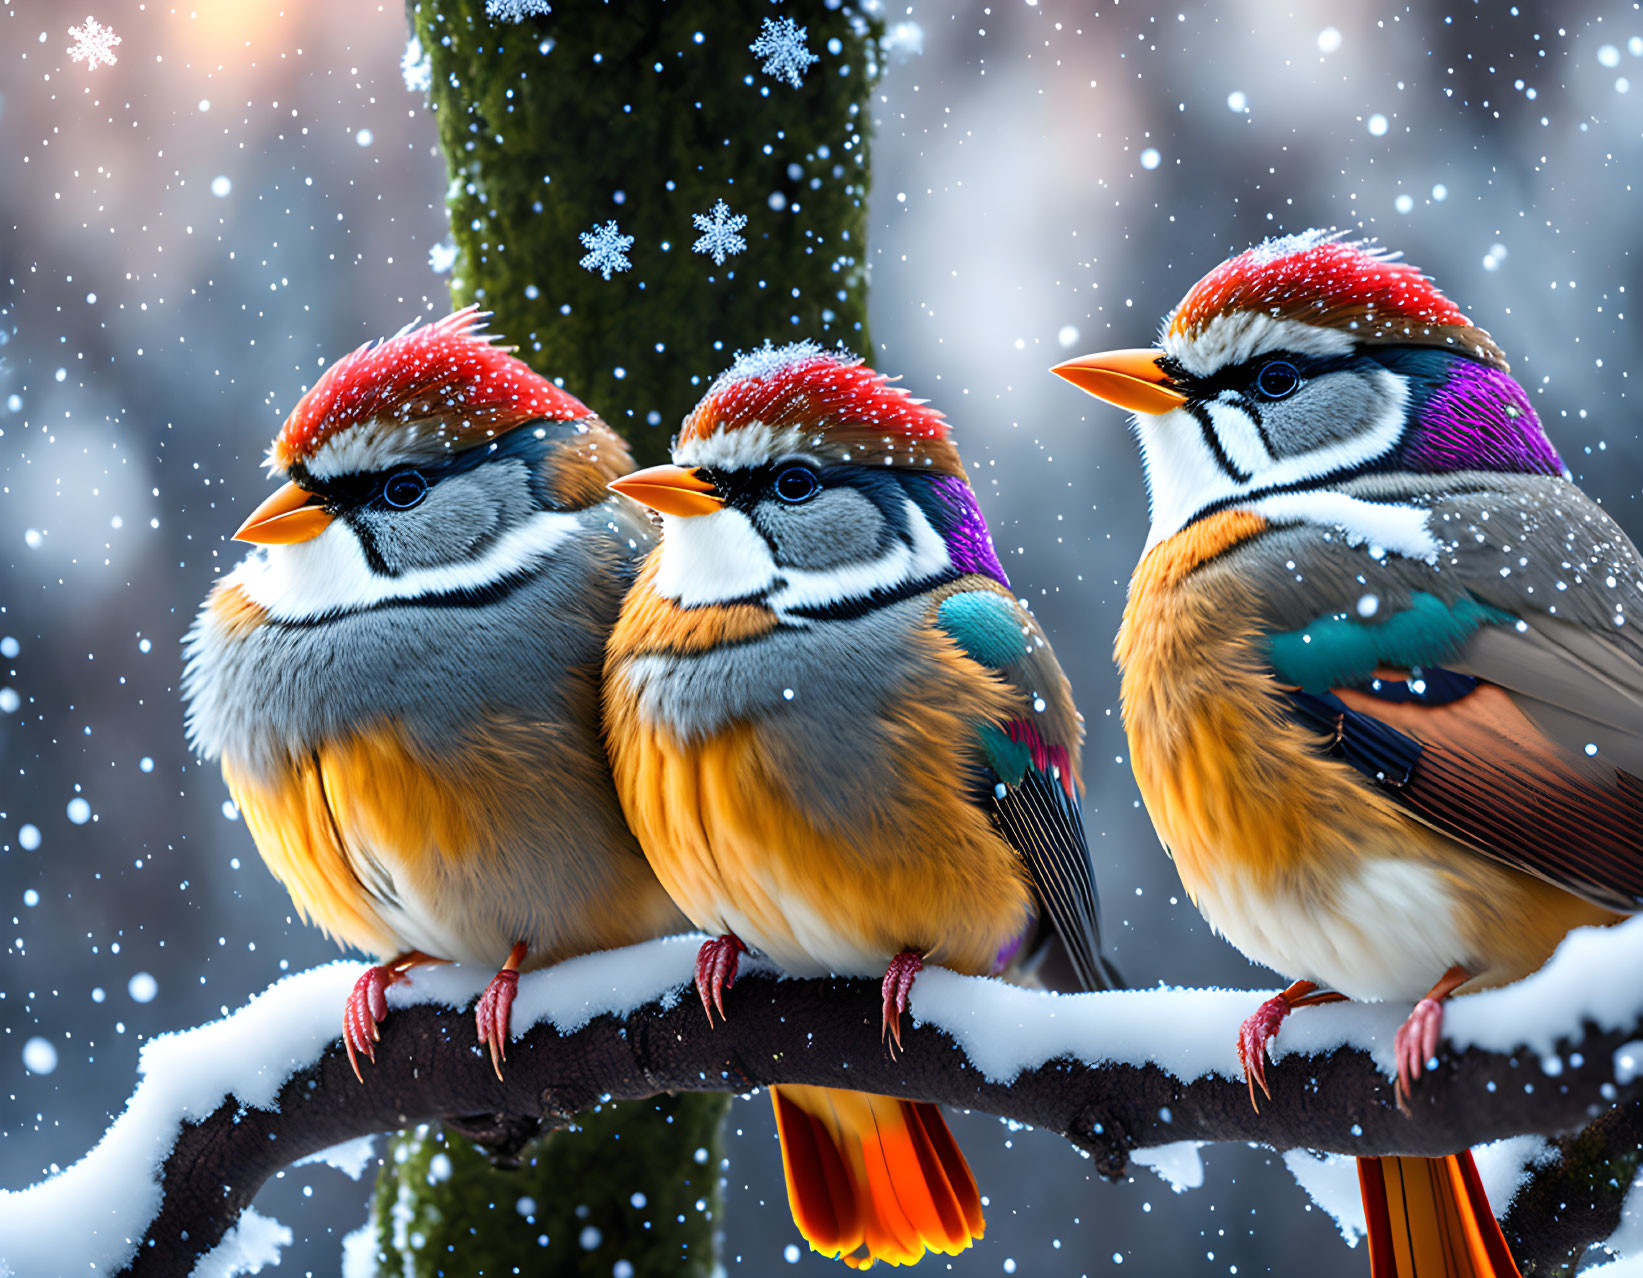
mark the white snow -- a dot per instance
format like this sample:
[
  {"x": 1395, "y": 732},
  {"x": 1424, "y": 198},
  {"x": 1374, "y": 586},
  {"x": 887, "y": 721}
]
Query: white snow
[
  {"x": 253, "y": 1242},
  {"x": 359, "y": 1252},
  {"x": 1191, "y": 1033},
  {"x": 1504, "y": 1167},
  {"x": 416, "y": 67},
  {"x": 1627, "y": 1240},
  {"x": 351, "y": 1158},
  {"x": 1179, "y": 1165},
  {"x": 87, "y": 1217},
  {"x": 1331, "y": 1180}
]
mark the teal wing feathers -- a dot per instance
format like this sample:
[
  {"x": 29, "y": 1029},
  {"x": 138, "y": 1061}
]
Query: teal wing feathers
[
  {"x": 1028, "y": 769},
  {"x": 1498, "y": 694}
]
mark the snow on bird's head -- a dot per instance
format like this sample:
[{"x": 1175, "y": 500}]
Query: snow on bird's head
[
  {"x": 780, "y": 400},
  {"x": 1316, "y": 292},
  {"x": 424, "y": 392}
]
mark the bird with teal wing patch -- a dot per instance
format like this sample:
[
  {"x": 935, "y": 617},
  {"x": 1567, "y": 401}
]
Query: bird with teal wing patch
[
  {"x": 843, "y": 743},
  {"x": 1382, "y": 674}
]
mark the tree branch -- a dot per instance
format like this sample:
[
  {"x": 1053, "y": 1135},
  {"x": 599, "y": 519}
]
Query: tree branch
[{"x": 1109, "y": 1072}]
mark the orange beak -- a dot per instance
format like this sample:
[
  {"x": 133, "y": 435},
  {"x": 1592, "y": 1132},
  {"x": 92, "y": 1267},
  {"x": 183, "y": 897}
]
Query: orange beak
[
  {"x": 1131, "y": 379},
  {"x": 291, "y": 515},
  {"x": 673, "y": 490}
]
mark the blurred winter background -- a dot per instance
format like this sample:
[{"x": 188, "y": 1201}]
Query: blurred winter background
[{"x": 191, "y": 234}]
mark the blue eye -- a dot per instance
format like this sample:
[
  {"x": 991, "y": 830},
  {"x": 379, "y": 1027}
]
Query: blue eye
[
  {"x": 1278, "y": 379},
  {"x": 797, "y": 483},
  {"x": 404, "y": 490}
]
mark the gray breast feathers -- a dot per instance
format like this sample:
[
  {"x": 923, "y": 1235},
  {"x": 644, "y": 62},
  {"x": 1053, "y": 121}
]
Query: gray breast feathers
[{"x": 531, "y": 644}]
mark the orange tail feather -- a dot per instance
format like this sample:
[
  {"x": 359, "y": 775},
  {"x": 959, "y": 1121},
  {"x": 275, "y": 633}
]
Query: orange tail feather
[
  {"x": 1429, "y": 1218},
  {"x": 874, "y": 1178}
]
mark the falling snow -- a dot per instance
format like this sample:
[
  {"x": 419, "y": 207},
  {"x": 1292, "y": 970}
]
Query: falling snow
[
  {"x": 781, "y": 45},
  {"x": 607, "y": 249},
  {"x": 93, "y": 44},
  {"x": 442, "y": 256},
  {"x": 719, "y": 239}
]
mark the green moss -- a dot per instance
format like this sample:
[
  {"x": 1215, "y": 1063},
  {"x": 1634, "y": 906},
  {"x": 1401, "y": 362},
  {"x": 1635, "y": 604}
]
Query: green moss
[
  {"x": 635, "y": 1182},
  {"x": 647, "y": 114}
]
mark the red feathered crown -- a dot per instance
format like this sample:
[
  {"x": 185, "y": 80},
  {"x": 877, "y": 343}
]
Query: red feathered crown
[
  {"x": 1318, "y": 278},
  {"x": 425, "y": 391},
  {"x": 804, "y": 398}
]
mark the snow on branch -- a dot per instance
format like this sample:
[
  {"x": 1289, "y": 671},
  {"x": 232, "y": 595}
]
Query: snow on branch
[{"x": 220, "y": 1108}]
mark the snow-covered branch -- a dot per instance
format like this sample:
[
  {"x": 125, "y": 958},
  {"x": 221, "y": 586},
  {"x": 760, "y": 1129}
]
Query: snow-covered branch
[{"x": 220, "y": 1108}]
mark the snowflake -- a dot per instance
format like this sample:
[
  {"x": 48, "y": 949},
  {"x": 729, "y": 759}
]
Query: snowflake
[
  {"x": 719, "y": 225},
  {"x": 417, "y": 67},
  {"x": 516, "y": 10},
  {"x": 781, "y": 45},
  {"x": 607, "y": 249},
  {"x": 442, "y": 256},
  {"x": 93, "y": 44}
]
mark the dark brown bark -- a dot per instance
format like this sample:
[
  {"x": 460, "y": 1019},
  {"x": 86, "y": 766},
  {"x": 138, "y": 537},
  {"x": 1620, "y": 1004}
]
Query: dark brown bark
[{"x": 827, "y": 1031}]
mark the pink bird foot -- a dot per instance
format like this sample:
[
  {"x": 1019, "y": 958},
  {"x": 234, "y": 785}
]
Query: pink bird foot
[
  {"x": 716, "y": 964},
  {"x": 495, "y": 1008},
  {"x": 367, "y": 1006},
  {"x": 1259, "y": 1030},
  {"x": 898, "y": 985},
  {"x": 1417, "y": 1038}
]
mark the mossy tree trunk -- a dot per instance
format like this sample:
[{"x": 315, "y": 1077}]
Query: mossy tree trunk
[
  {"x": 554, "y": 125},
  {"x": 648, "y": 115}
]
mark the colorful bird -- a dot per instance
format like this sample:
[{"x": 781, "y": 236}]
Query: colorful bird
[
  {"x": 402, "y": 680},
  {"x": 843, "y": 742},
  {"x": 1382, "y": 668}
]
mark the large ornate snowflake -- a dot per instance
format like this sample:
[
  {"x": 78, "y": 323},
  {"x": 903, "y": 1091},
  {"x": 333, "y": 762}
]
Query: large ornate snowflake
[
  {"x": 719, "y": 226},
  {"x": 93, "y": 44},
  {"x": 781, "y": 45},
  {"x": 607, "y": 249}
]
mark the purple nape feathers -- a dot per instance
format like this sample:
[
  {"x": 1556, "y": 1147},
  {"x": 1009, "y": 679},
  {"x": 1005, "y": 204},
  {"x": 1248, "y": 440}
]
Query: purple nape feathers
[
  {"x": 1479, "y": 419},
  {"x": 969, "y": 543}
]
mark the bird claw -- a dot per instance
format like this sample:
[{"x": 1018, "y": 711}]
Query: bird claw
[
  {"x": 366, "y": 1006},
  {"x": 1253, "y": 1037},
  {"x": 716, "y": 964},
  {"x": 1416, "y": 1043},
  {"x": 898, "y": 985},
  {"x": 492, "y": 1016}
]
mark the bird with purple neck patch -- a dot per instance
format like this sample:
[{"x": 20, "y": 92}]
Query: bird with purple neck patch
[
  {"x": 1382, "y": 668},
  {"x": 843, "y": 743}
]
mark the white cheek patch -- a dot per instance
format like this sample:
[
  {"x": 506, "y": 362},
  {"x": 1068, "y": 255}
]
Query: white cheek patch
[
  {"x": 1180, "y": 469},
  {"x": 721, "y": 557},
  {"x": 1231, "y": 339},
  {"x": 1240, "y": 440},
  {"x": 919, "y": 559},
  {"x": 328, "y": 574},
  {"x": 1184, "y": 478},
  {"x": 707, "y": 559}
]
